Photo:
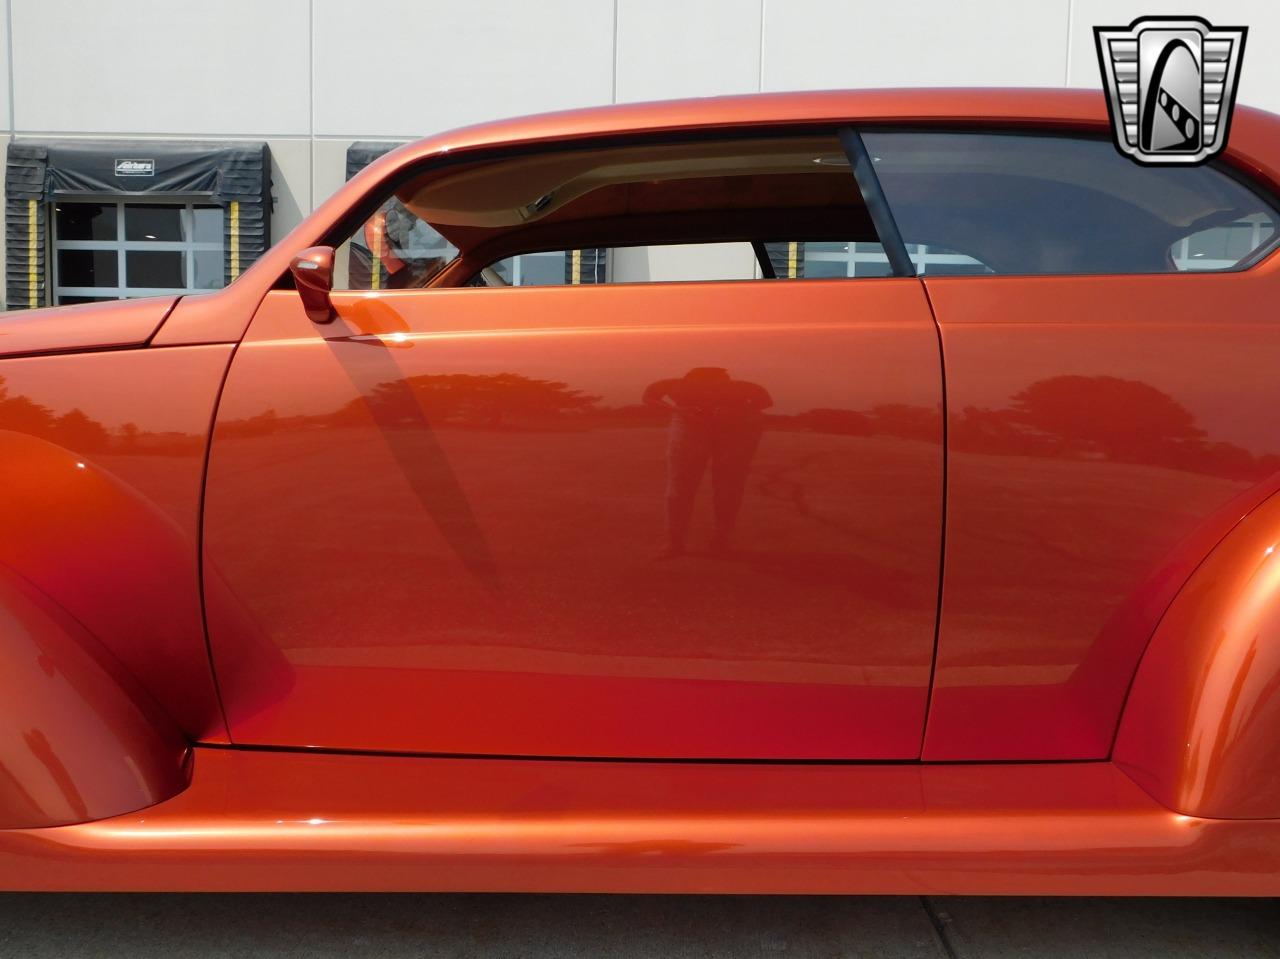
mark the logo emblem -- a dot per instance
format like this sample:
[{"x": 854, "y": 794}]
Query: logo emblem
[
  {"x": 135, "y": 168},
  {"x": 1170, "y": 85}
]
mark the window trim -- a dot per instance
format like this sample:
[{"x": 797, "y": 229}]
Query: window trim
[
  {"x": 921, "y": 259},
  {"x": 877, "y": 204}
]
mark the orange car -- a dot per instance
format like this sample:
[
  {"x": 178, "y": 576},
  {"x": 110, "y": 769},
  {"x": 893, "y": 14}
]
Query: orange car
[{"x": 920, "y": 540}]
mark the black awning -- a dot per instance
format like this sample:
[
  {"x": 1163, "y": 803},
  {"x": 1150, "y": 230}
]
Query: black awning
[{"x": 236, "y": 176}]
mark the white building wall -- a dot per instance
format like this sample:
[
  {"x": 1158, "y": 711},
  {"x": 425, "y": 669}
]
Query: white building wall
[
  {"x": 311, "y": 76},
  {"x": 1259, "y": 75}
]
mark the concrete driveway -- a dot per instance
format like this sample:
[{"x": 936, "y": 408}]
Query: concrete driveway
[{"x": 671, "y": 927}]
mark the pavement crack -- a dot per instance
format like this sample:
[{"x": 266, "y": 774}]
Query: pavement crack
[{"x": 942, "y": 925}]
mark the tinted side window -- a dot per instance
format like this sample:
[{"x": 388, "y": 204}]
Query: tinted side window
[
  {"x": 1029, "y": 204},
  {"x": 647, "y": 212}
]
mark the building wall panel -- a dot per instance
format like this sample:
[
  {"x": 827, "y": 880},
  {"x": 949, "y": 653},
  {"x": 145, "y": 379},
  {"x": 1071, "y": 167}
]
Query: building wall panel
[{"x": 235, "y": 68}]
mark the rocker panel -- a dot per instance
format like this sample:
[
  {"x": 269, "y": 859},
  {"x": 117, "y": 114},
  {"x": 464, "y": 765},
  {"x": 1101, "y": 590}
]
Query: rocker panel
[{"x": 263, "y": 820}]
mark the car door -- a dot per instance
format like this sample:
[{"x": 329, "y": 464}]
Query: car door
[
  {"x": 656, "y": 520},
  {"x": 1110, "y": 371}
]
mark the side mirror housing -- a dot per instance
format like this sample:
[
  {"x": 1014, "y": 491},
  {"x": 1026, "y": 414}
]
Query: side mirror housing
[{"x": 312, "y": 271}]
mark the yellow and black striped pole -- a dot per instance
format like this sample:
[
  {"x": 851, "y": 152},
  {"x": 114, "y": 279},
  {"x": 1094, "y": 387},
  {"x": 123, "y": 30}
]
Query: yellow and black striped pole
[
  {"x": 234, "y": 239},
  {"x": 33, "y": 253}
]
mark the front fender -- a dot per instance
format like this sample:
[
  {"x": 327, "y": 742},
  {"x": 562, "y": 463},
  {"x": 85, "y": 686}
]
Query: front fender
[
  {"x": 79, "y": 739},
  {"x": 1201, "y": 728}
]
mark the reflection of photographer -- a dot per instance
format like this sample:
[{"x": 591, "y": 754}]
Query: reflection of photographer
[{"x": 714, "y": 419}]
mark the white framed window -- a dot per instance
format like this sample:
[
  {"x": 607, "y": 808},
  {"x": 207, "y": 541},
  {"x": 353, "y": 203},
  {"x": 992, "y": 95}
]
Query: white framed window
[
  {"x": 112, "y": 249},
  {"x": 1222, "y": 247},
  {"x": 533, "y": 269},
  {"x": 868, "y": 259}
]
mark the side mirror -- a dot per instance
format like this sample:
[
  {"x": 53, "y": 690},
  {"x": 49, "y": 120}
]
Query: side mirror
[{"x": 312, "y": 271}]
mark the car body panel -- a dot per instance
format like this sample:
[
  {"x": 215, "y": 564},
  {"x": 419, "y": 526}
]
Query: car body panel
[
  {"x": 79, "y": 737},
  {"x": 441, "y": 565},
  {"x": 104, "y": 459},
  {"x": 1104, "y": 434},
  {"x": 1073, "y": 568},
  {"x": 263, "y": 820},
  {"x": 1199, "y": 729},
  {"x": 219, "y": 316},
  {"x": 88, "y": 326}
]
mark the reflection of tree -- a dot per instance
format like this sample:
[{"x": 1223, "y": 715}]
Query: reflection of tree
[
  {"x": 73, "y": 429},
  {"x": 887, "y": 419},
  {"x": 76, "y": 430},
  {"x": 20, "y": 414},
  {"x": 1083, "y": 417},
  {"x": 488, "y": 400},
  {"x": 1120, "y": 419},
  {"x": 264, "y": 424},
  {"x": 1106, "y": 418},
  {"x": 1070, "y": 416},
  {"x": 833, "y": 421}
]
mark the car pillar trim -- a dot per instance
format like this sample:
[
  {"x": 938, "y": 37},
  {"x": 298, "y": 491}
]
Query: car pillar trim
[{"x": 877, "y": 206}]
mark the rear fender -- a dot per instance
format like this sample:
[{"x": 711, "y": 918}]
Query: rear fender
[{"x": 1201, "y": 728}]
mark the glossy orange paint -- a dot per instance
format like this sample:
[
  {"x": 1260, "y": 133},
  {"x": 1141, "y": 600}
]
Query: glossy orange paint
[
  {"x": 104, "y": 459},
  {"x": 88, "y": 326},
  {"x": 280, "y": 821},
  {"x": 1199, "y": 730},
  {"x": 437, "y": 560},
  {"x": 327, "y": 536},
  {"x": 312, "y": 272},
  {"x": 79, "y": 738},
  {"x": 1104, "y": 434}
]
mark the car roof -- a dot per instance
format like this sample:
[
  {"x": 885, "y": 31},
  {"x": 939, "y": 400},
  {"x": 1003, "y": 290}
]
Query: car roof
[
  {"x": 1254, "y": 143},
  {"x": 1070, "y": 109}
]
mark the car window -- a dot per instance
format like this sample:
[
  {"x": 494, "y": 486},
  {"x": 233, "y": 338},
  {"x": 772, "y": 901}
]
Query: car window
[
  {"x": 760, "y": 208},
  {"x": 1033, "y": 204},
  {"x": 1223, "y": 247},
  {"x": 868, "y": 259},
  {"x": 667, "y": 263},
  {"x": 684, "y": 262},
  {"x": 393, "y": 249},
  {"x": 673, "y": 263}
]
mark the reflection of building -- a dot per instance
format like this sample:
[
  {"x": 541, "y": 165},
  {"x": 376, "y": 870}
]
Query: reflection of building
[{"x": 203, "y": 134}]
